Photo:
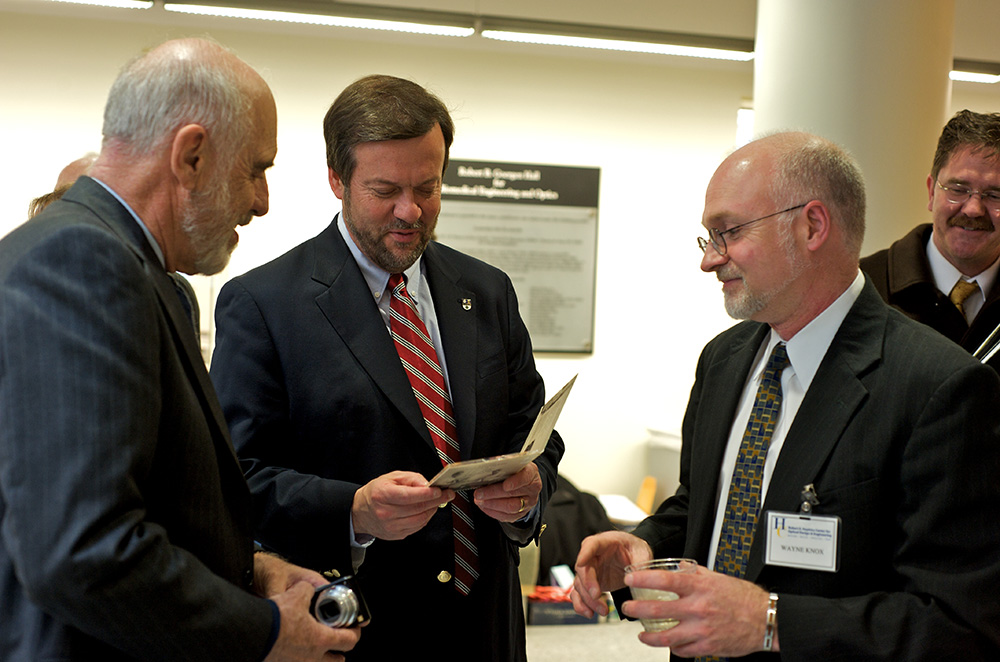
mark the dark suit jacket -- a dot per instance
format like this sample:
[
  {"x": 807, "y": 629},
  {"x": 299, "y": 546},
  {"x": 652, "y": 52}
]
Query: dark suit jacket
[
  {"x": 318, "y": 404},
  {"x": 124, "y": 530},
  {"x": 900, "y": 434},
  {"x": 902, "y": 275}
]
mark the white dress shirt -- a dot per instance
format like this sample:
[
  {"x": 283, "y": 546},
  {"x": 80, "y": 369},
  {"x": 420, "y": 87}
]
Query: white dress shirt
[
  {"x": 946, "y": 276},
  {"x": 806, "y": 350}
]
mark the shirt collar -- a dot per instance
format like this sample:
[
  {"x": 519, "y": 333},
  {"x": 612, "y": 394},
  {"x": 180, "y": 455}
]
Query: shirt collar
[
  {"x": 145, "y": 230},
  {"x": 376, "y": 277},
  {"x": 807, "y": 348},
  {"x": 946, "y": 275}
]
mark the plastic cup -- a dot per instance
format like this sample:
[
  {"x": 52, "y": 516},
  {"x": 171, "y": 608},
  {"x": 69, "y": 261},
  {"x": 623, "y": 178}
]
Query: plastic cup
[{"x": 667, "y": 565}]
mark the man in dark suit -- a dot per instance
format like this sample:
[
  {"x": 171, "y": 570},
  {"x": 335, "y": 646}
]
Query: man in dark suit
[
  {"x": 124, "y": 517},
  {"x": 944, "y": 273},
  {"x": 864, "y": 527},
  {"x": 325, "y": 417}
]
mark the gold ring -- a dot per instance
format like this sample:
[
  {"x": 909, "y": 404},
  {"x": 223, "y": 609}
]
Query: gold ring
[{"x": 523, "y": 502}]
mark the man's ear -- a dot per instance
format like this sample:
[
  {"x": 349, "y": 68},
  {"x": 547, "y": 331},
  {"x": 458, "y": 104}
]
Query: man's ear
[
  {"x": 336, "y": 184},
  {"x": 188, "y": 155},
  {"x": 930, "y": 193},
  {"x": 818, "y": 224}
]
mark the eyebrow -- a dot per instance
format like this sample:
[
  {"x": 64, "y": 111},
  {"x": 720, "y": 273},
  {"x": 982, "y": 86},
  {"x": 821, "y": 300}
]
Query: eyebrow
[
  {"x": 965, "y": 182},
  {"x": 386, "y": 182},
  {"x": 719, "y": 218}
]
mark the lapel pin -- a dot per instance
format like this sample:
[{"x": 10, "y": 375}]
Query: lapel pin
[{"x": 467, "y": 304}]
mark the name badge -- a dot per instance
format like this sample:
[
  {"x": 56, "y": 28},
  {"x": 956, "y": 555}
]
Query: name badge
[{"x": 809, "y": 542}]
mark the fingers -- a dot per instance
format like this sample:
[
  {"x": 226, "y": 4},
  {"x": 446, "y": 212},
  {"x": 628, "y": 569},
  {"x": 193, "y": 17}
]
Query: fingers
[
  {"x": 506, "y": 508},
  {"x": 396, "y": 505},
  {"x": 513, "y": 498},
  {"x": 340, "y": 639},
  {"x": 302, "y": 637},
  {"x": 586, "y": 594},
  {"x": 528, "y": 477},
  {"x": 274, "y": 575}
]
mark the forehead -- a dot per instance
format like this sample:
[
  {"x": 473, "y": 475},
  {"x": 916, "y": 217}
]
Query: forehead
[
  {"x": 972, "y": 162},
  {"x": 402, "y": 159},
  {"x": 738, "y": 191},
  {"x": 266, "y": 126}
]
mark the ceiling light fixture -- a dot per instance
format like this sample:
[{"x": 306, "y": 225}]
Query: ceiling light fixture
[
  {"x": 975, "y": 71},
  {"x": 116, "y": 4},
  {"x": 617, "y": 39},
  {"x": 347, "y": 16}
]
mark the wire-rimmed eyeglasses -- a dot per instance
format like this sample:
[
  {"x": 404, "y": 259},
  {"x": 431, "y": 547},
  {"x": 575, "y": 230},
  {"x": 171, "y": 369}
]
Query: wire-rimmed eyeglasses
[
  {"x": 718, "y": 237},
  {"x": 959, "y": 194}
]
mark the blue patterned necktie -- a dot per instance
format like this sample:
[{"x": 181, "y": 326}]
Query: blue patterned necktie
[{"x": 743, "y": 503}]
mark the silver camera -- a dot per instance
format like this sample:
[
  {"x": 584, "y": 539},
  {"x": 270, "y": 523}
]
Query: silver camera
[{"x": 339, "y": 604}]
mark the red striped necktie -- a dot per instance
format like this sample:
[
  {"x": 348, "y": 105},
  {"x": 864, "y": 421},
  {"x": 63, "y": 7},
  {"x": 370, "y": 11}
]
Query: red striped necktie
[{"x": 420, "y": 361}]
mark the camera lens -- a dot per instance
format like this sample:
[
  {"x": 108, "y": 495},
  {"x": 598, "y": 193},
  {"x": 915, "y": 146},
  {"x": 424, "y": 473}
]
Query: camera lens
[{"x": 336, "y": 607}]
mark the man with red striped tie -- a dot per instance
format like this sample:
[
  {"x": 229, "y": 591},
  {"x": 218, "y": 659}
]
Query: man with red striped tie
[{"x": 352, "y": 368}]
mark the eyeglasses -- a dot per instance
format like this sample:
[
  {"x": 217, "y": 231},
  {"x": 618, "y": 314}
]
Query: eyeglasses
[
  {"x": 718, "y": 237},
  {"x": 959, "y": 195}
]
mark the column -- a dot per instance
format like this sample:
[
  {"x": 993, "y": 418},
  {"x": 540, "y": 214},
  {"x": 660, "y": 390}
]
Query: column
[{"x": 871, "y": 75}]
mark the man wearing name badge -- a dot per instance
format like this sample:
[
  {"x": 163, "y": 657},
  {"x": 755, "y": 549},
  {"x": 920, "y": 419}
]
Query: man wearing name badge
[
  {"x": 838, "y": 469},
  {"x": 124, "y": 517},
  {"x": 944, "y": 273},
  {"x": 352, "y": 368}
]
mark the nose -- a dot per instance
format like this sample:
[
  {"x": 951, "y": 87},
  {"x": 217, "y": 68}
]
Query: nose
[
  {"x": 260, "y": 199},
  {"x": 711, "y": 259},
  {"x": 406, "y": 208},
  {"x": 974, "y": 205}
]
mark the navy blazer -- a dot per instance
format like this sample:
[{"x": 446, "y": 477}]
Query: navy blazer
[
  {"x": 318, "y": 404},
  {"x": 124, "y": 517},
  {"x": 900, "y": 435}
]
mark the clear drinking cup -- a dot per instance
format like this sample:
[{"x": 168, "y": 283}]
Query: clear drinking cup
[{"x": 668, "y": 565}]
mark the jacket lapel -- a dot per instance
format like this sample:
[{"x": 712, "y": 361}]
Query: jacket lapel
[
  {"x": 833, "y": 399},
  {"x": 720, "y": 396},
  {"x": 362, "y": 329},
  {"x": 456, "y": 314},
  {"x": 121, "y": 222}
]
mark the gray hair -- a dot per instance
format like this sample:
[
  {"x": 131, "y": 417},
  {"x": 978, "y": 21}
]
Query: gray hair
[
  {"x": 813, "y": 168},
  {"x": 158, "y": 92}
]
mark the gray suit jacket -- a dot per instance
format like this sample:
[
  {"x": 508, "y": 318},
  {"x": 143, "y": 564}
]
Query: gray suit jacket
[
  {"x": 900, "y": 435},
  {"x": 124, "y": 529}
]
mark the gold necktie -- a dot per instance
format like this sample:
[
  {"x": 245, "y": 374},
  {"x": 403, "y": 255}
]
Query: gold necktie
[{"x": 963, "y": 290}]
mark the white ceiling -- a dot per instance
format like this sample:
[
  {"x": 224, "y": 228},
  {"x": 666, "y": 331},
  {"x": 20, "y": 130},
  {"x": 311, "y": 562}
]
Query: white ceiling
[{"x": 975, "y": 20}]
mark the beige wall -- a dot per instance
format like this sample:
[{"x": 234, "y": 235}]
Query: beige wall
[{"x": 656, "y": 130}]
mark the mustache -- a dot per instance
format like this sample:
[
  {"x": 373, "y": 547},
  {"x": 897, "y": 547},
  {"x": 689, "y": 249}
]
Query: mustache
[
  {"x": 977, "y": 223},
  {"x": 399, "y": 224},
  {"x": 727, "y": 272}
]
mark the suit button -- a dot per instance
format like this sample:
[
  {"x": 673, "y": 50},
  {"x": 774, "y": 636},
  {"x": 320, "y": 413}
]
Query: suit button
[{"x": 444, "y": 577}]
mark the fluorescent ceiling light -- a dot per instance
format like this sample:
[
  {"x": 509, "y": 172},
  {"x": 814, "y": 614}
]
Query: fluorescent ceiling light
[
  {"x": 618, "y": 45},
  {"x": 975, "y": 71},
  {"x": 320, "y": 19},
  {"x": 580, "y": 35},
  {"x": 973, "y": 77},
  {"x": 117, "y": 4}
]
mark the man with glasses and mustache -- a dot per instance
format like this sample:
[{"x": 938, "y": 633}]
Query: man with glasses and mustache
[
  {"x": 352, "y": 367},
  {"x": 838, "y": 469},
  {"x": 944, "y": 273}
]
